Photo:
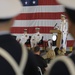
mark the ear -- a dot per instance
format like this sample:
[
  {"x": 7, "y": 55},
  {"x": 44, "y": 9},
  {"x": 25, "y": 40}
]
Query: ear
[{"x": 12, "y": 21}]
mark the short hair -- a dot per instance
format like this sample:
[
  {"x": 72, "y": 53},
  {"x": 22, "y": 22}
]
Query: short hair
[
  {"x": 71, "y": 14},
  {"x": 36, "y": 49},
  {"x": 5, "y": 20}
]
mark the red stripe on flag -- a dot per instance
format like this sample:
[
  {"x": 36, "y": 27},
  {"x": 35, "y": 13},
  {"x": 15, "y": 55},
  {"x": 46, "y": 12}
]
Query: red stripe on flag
[
  {"x": 47, "y": 2},
  {"x": 31, "y": 29},
  {"x": 31, "y": 16}
]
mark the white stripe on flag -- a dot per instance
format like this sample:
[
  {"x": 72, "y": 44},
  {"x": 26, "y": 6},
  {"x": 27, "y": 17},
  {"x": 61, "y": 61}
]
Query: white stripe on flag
[
  {"x": 32, "y": 23},
  {"x": 45, "y": 8}
]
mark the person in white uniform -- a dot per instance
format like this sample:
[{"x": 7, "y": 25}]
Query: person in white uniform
[
  {"x": 24, "y": 37},
  {"x": 64, "y": 30},
  {"x": 36, "y": 38},
  {"x": 50, "y": 43}
]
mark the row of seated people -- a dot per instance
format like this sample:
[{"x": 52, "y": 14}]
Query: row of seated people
[
  {"x": 35, "y": 39},
  {"x": 41, "y": 43}
]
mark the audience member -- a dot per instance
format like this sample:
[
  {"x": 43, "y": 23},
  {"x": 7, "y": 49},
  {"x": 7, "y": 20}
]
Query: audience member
[
  {"x": 61, "y": 52},
  {"x": 13, "y": 56},
  {"x": 50, "y": 55},
  {"x": 40, "y": 61}
]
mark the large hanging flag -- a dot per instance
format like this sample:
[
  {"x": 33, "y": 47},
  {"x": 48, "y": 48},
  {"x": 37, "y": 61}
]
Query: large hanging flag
[{"x": 39, "y": 13}]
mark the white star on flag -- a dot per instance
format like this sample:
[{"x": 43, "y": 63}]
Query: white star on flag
[
  {"x": 26, "y": 2},
  {"x": 33, "y": 2}
]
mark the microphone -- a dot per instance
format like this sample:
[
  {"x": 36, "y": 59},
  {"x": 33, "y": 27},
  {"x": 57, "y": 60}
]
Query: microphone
[{"x": 55, "y": 24}]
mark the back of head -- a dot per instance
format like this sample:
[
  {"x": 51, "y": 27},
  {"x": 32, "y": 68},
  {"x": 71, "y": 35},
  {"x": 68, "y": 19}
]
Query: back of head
[
  {"x": 71, "y": 14},
  {"x": 62, "y": 52},
  {"x": 36, "y": 49},
  {"x": 51, "y": 54}
]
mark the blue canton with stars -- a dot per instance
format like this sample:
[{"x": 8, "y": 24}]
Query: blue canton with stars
[{"x": 29, "y": 2}]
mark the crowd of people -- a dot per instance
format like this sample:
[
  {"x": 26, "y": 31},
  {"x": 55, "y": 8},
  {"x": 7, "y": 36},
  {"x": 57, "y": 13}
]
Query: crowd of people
[{"x": 16, "y": 59}]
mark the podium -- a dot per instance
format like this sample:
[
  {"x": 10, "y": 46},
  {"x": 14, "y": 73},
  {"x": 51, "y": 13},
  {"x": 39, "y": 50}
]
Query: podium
[{"x": 59, "y": 35}]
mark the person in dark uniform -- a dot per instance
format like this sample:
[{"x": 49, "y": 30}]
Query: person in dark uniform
[
  {"x": 14, "y": 58},
  {"x": 40, "y": 61},
  {"x": 60, "y": 68}
]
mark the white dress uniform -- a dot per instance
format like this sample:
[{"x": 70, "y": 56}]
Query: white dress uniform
[
  {"x": 50, "y": 43},
  {"x": 64, "y": 30},
  {"x": 24, "y": 38},
  {"x": 18, "y": 38},
  {"x": 35, "y": 39}
]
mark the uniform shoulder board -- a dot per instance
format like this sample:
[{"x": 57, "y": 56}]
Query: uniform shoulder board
[
  {"x": 18, "y": 69},
  {"x": 65, "y": 60}
]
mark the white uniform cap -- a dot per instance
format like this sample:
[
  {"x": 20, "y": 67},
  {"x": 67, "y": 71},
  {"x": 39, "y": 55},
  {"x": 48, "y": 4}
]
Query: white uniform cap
[
  {"x": 25, "y": 29},
  {"x": 37, "y": 28},
  {"x": 9, "y": 8},
  {"x": 67, "y": 3},
  {"x": 63, "y": 15}
]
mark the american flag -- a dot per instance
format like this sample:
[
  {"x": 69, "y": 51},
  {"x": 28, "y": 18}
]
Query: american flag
[{"x": 39, "y": 13}]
